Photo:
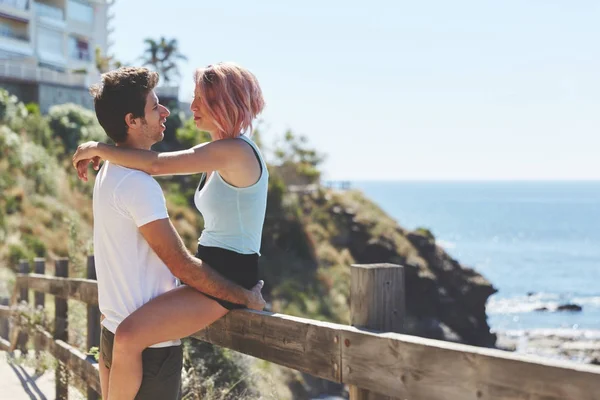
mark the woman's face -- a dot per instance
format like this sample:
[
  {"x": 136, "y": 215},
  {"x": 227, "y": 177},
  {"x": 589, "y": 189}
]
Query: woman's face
[{"x": 202, "y": 118}]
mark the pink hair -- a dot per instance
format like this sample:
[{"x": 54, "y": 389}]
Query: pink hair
[{"x": 231, "y": 95}]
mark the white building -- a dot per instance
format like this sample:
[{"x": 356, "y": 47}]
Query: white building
[{"x": 47, "y": 48}]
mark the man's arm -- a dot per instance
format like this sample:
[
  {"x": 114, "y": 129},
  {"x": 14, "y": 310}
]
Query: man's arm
[{"x": 166, "y": 243}]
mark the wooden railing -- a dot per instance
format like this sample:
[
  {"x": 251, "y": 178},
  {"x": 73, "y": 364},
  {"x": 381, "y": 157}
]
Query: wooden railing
[{"x": 375, "y": 365}]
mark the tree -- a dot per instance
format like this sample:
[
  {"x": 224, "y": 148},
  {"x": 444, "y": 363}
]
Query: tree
[
  {"x": 105, "y": 63},
  {"x": 163, "y": 55},
  {"x": 296, "y": 162}
]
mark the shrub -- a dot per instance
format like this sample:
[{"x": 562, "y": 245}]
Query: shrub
[
  {"x": 14, "y": 203},
  {"x": 37, "y": 129},
  {"x": 17, "y": 252},
  {"x": 212, "y": 372},
  {"x": 39, "y": 166},
  {"x": 10, "y": 143},
  {"x": 74, "y": 124},
  {"x": 188, "y": 135},
  {"x": 11, "y": 110},
  {"x": 33, "y": 109},
  {"x": 34, "y": 245},
  {"x": 425, "y": 232}
]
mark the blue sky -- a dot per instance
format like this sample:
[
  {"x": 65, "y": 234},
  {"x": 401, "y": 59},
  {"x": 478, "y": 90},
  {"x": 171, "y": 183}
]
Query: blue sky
[{"x": 395, "y": 90}]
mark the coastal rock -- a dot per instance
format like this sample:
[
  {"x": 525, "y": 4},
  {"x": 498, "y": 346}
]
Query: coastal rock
[
  {"x": 569, "y": 307},
  {"x": 441, "y": 294},
  {"x": 464, "y": 295}
]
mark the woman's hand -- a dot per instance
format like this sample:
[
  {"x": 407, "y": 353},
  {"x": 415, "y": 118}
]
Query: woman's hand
[
  {"x": 86, "y": 153},
  {"x": 256, "y": 301},
  {"x": 82, "y": 167}
]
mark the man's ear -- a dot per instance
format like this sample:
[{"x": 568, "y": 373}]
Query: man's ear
[{"x": 131, "y": 121}]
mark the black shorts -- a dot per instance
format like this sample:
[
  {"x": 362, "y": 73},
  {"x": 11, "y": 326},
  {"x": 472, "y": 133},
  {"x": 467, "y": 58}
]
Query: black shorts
[{"x": 239, "y": 268}]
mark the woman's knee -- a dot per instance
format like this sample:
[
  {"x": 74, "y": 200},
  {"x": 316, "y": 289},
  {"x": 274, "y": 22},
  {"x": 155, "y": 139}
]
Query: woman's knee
[{"x": 125, "y": 337}]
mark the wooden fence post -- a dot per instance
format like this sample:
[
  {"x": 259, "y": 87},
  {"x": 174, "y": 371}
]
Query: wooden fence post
[
  {"x": 376, "y": 302},
  {"x": 5, "y": 301},
  {"x": 93, "y": 322},
  {"x": 39, "y": 298},
  {"x": 39, "y": 267},
  {"x": 23, "y": 337},
  {"x": 61, "y": 321}
]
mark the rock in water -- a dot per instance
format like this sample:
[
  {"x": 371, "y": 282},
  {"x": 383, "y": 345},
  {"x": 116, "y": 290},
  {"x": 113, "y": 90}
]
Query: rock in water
[{"x": 569, "y": 307}]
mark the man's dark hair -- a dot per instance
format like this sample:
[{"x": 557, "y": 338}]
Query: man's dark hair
[{"x": 121, "y": 92}]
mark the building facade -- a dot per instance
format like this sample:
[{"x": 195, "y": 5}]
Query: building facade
[{"x": 47, "y": 48}]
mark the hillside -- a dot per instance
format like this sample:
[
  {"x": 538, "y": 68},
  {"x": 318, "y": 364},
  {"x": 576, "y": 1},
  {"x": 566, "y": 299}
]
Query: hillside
[{"x": 309, "y": 241}]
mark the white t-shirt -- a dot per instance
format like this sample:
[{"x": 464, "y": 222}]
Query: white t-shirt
[{"x": 129, "y": 272}]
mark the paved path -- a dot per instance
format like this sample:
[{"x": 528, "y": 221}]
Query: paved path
[{"x": 19, "y": 382}]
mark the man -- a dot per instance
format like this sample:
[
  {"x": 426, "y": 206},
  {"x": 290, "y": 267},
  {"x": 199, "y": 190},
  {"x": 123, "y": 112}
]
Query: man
[{"x": 138, "y": 253}]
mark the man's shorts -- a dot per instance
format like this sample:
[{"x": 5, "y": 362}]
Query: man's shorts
[{"x": 162, "y": 369}]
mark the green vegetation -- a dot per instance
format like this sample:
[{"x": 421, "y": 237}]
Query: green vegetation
[
  {"x": 73, "y": 124},
  {"x": 162, "y": 55}
]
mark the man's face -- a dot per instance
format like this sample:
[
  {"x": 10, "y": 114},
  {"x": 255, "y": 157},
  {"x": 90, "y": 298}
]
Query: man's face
[{"x": 155, "y": 115}]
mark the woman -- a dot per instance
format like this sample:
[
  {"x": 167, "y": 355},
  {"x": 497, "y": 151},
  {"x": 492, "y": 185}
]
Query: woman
[{"x": 231, "y": 196}]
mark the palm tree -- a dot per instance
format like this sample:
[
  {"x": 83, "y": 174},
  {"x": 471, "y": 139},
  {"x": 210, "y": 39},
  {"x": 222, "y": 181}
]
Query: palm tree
[
  {"x": 105, "y": 63},
  {"x": 163, "y": 56}
]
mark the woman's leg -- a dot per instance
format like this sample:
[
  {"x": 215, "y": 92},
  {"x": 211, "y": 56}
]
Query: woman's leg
[{"x": 173, "y": 315}]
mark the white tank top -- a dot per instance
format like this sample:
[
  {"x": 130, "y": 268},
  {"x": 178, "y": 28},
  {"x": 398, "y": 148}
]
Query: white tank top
[{"x": 233, "y": 217}]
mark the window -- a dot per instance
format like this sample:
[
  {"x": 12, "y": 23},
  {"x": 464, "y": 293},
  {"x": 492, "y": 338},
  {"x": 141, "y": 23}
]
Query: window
[
  {"x": 8, "y": 30},
  {"x": 79, "y": 49},
  {"x": 49, "y": 41},
  {"x": 20, "y": 4},
  {"x": 81, "y": 12},
  {"x": 47, "y": 10}
]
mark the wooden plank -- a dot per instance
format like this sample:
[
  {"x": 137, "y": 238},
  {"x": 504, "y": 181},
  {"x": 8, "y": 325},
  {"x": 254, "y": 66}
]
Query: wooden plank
[
  {"x": 4, "y": 309},
  {"x": 61, "y": 331},
  {"x": 376, "y": 302},
  {"x": 93, "y": 323},
  {"x": 39, "y": 267},
  {"x": 305, "y": 345},
  {"x": 377, "y": 297},
  {"x": 424, "y": 369},
  {"x": 74, "y": 360},
  {"x": 22, "y": 337},
  {"x": 4, "y": 344},
  {"x": 84, "y": 290},
  {"x": 23, "y": 289}
]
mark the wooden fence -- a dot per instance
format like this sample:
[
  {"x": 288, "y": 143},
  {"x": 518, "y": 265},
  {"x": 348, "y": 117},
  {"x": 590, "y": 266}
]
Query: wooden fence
[{"x": 375, "y": 365}]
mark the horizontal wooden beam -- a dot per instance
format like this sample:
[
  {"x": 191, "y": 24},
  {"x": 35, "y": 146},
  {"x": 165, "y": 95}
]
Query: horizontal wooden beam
[
  {"x": 302, "y": 344},
  {"x": 391, "y": 364},
  {"x": 400, "y": 365},
  {"x": 75, "y": 361},
  {"x": 417, "y": 368},
  {"x": 85, "y": 290}
]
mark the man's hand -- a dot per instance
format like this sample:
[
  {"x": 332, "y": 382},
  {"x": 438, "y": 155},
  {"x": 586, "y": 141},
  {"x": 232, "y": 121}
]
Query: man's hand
[{"x": 256, "y": 301}]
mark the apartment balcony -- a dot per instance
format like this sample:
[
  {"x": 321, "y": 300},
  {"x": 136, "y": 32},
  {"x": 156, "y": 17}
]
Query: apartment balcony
[
  {"x": 33, "y": 74},
  {"x": 14, "y": 43},
  {"x": 17, "y": 9},
  {"x": 83, "y": 55},
  {"x": 50, "y": 16}
]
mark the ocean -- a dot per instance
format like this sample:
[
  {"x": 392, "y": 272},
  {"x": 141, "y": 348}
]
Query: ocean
[{"x": 537, "y": 242}]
